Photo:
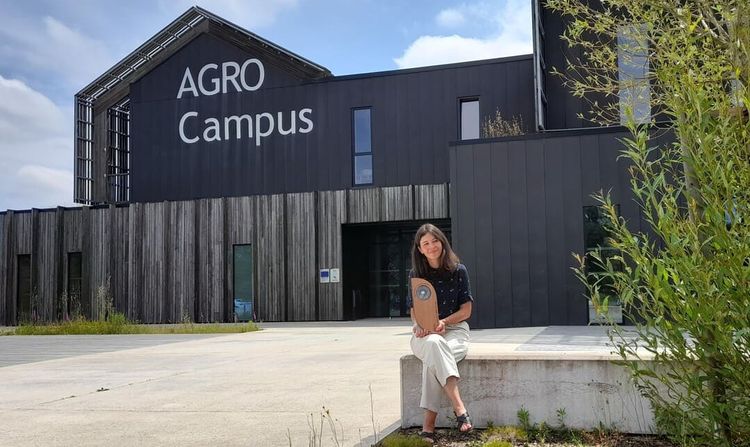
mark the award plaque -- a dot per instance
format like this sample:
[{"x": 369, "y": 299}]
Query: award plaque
[{"x": 424, "y": 300}]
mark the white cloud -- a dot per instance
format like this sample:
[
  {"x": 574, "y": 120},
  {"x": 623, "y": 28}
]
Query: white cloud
[
  {"x": 44, "y": 187},
  {"x": 512, "y": 36},
  {"x": 249, "y": 14},
  {"x": 450, "y": 18},
  {"x": 54, "y": 47},
  {"x": 36, "y": 149}
]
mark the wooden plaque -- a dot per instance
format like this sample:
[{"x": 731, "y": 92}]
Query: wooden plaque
[{"x": 424, "y": 301}]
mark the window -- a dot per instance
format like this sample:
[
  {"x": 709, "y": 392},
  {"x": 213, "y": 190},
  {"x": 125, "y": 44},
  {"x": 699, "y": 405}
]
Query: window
[
  {"x": 539, "y": 68},
  {"x": 23, "y": 291},
  {"x": 469, "y": 119},
  {"x": 632, "y": 63},
  {"x": 243, "y": 282},
  {"x": 596, "y": 237},
  {"x": 362, "y": 142},
  {"x": 75, "y": 270}
]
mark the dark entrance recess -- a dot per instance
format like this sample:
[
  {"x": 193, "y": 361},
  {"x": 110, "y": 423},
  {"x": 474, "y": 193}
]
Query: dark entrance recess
[{"x": 376, "y": 264}]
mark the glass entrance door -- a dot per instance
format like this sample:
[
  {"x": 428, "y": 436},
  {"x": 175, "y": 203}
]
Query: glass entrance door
[
  {"x": 376, "y": 265},
  {"x": 390, "y": 263},
  {"x": 386, "y": 275}
]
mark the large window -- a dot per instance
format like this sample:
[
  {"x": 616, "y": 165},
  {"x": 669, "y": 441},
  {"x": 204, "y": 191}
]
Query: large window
[
  {"x": 469, "y": 119},
  {"x": 362, "y": 142},
  {"x": 633, "y": 67}
]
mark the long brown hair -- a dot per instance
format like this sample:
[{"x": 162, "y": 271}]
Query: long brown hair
[{"x": 448, "y": 259}]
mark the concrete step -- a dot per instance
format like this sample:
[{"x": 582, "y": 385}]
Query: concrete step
[{"x": 593, "y": 391}]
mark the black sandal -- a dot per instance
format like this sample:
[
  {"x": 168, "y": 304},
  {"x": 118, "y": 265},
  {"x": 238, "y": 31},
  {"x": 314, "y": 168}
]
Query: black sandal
[
  {"x": 428, "y": 436},
  {"x": 464, "y": 419}
]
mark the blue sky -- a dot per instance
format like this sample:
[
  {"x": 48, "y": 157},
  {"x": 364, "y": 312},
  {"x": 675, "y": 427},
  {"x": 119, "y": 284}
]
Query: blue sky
[{"x": 50, "y": 49}]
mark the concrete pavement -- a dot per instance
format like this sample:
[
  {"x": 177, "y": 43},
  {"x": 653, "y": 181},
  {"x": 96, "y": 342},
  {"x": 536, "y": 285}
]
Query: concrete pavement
[{"x": 253, "y": 389}]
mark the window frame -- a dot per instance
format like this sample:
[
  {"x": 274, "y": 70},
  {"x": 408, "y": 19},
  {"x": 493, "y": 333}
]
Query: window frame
[
  {"x": 461, "y": 101},
  {"x": 252, "y": 278},
  {"x": 632, "y": 86},
  {"x": 356, "y": 154},
  {"x": 604, "y": 249}
]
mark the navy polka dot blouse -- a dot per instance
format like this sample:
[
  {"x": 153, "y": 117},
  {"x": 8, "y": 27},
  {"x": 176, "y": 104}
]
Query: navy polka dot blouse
[{"x": 452, "y": 289}]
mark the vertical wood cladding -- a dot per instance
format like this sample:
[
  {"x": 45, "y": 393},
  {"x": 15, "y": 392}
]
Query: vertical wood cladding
[
  {"x": 211, "y": 296},
  {"x": 331, "y": 214},
  {"x": 517, "y": 215},
  {"x": 396, "y": 203},
  {"x": 300, "y": 260},
  {"x": 181, "y": 293},
  {"x": 170, "y": 261},
  {"x": 430, "y": 201},
  {"x": 152, "y": 262},
  {"x": 270, "y": 257},
  {"x": 47, "y": 265},
  {"x": 119, "y": 255},
  {"x": 135, "y": 250},
  {"x": 100, "y": 282},
  {"x": 364, "y": 205}
]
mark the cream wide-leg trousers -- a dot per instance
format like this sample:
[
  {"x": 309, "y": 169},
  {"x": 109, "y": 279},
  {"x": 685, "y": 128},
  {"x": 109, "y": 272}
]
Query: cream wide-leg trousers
[{"x": 439, "y": 355}]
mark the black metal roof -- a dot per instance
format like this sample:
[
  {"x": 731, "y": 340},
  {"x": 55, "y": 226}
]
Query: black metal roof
[{"x": 126, "y": 69}]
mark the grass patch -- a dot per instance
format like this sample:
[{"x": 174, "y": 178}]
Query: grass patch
[
  {"x": 118, "y": 324},
  {"x": 510, "y": 436},
  {"x": 399, "y": 440}
]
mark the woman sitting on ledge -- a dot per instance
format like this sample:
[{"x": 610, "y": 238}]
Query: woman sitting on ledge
[{"x": 440, "y": 350}]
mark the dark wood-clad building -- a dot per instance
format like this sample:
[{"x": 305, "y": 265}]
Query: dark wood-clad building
[{"x": 223, "y": 177}]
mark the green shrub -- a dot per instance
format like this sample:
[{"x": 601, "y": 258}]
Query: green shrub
[{"x": 682, "y": 273}]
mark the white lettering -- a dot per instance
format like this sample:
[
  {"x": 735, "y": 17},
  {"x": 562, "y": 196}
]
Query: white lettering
[
  {"x": 226, "y": 77},
  {"x": 306, "y": 120},
  {"x": 261, "y": 75},
  {"x": 215, "y": 81},
  {"x": 213, "y": 127},
  {"x": 237, "y": 120},
  {"x": 262, "y": 133},
  {"x": 187, "y": 77},
  {"x": 292, "y": 129},
  {"x": 219, "y": 83},
  {"x": 182, "y": 128}
]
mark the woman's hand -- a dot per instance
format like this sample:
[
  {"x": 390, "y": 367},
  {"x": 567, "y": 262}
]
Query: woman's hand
[
  {"x": 440, "y": 328},
  {"x": 419, "y": 332}
]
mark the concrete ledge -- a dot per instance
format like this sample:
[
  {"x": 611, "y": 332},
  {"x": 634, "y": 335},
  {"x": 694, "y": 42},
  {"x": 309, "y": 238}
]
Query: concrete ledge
[{"x": 590, "y": 388}]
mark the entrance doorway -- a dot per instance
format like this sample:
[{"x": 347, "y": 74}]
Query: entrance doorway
[{"x": 376, "y": 264}]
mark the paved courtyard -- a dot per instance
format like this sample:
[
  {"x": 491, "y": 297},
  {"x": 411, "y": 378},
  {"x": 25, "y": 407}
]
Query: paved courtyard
[{"x": 254, "y": 389}]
